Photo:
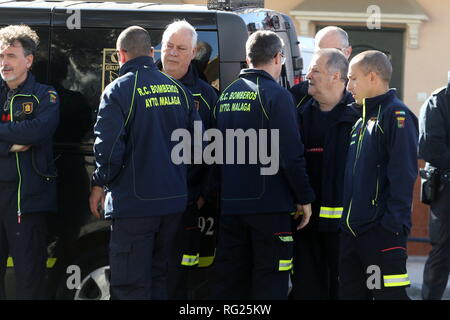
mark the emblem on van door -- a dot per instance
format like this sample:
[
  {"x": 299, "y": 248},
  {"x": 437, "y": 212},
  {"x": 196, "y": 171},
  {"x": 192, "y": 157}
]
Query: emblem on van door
[
  {"x": 110, "y": 67},
  {"x": 27, "y": 107}
]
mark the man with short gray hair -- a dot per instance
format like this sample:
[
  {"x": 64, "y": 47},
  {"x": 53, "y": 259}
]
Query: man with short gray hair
[
  {"x": 330, "y": 37},
  {"x": 254, "y": 253},
  {"x": 29, "y": 118},
  {"x": 325, "y": 124},
  {"x": 179, "y": 43}
]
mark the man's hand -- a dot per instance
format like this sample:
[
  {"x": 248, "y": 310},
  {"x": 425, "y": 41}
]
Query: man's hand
[
  {"x": 200, "y": 203},
  {"x": 96, "y": 200},
  {"x": 305, "y": 212},
  {"x": 19, "y": 148}
]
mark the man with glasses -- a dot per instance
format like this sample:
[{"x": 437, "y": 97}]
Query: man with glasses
[
  {"x": 254, "y": 254},
  {"x": 179, "y": 43},
  {"x": 146, "y": 192},
  {"x": 30, "y": 116},
  {"x": 327, "y": 38}
]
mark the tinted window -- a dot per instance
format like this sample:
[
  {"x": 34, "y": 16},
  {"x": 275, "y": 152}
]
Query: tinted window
[{"x": 82, "y": 64}]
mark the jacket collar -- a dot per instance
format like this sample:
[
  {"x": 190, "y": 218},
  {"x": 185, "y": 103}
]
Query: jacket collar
[
  {"x": 134, "y": 64},
  {"x": 347, "y": 114},
  {"x": 189, "y": 79},
  {"x": 374, "y": 105},
  {"x": 25, "y": 87},
  {"x": 256, "y": 72}
]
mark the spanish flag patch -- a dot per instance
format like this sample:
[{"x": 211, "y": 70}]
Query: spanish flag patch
[{"x": 400, "y": 122}]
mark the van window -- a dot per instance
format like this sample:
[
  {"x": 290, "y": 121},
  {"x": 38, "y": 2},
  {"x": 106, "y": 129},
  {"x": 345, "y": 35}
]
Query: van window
[{"x": 82, "y": 64}]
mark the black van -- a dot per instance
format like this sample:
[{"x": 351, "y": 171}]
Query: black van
[{"x": 76, "y": 56}]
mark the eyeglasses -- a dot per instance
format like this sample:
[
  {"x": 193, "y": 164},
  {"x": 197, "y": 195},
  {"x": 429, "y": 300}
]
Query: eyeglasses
[{"x": 283, "y": 58}]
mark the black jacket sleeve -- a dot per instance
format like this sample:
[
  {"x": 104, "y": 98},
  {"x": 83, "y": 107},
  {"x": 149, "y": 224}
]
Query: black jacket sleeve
[{"x": 434, "y": 125}]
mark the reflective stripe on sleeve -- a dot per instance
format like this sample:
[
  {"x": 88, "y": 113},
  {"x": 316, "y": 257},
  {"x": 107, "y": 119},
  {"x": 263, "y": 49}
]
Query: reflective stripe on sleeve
[
  {"x": 331, "y": 213},
  {"x": 396, "y": 280},
  {"x": 285, "y": 265},
  {"x": 189, "y": 260}
]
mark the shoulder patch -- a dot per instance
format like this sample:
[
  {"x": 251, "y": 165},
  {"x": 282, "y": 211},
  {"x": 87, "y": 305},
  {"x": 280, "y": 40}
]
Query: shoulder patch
[{"x": 53, "y": 96}]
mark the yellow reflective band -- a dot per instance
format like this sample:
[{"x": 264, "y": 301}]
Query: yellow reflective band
[
  {"x": 205, "y": 261},
  {"x": 286, "y": 238},
  {"x": 332, "y": 213},
  {"x": 50, "y": 262},
  {"x": 397, "y": 280},
  {"x": 285, "y": 265},
  {"x": 189, "y": 260}
]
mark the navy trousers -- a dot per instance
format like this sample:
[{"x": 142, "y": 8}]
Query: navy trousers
[
  {"x": 139, "y": 256},
  {"x": 437, "y": 267},
  {"x": 254, "y": 257},
  {"x": 373, "y": 265},
  {"x": 26, "y": 243}
]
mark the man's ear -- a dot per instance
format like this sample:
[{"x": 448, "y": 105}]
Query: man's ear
[
  {"x": 348, "y": 52},
  {"x": 30, "y": 59},
  {"x": 152, "y": 52}
]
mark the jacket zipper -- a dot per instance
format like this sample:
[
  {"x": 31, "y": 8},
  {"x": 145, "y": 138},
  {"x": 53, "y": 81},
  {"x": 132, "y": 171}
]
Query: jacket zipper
[
  {"x": 361, "y": 133},
  {"x": 19, "y": 187}
]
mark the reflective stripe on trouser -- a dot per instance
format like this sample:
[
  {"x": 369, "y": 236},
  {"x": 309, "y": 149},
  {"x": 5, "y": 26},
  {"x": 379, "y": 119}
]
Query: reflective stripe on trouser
[
  {"x": 330, "y": 212},
  {"x": 189, "y": 260},
  {"x": 396, "y": 280},
  {"x": 285, "y": 265}
]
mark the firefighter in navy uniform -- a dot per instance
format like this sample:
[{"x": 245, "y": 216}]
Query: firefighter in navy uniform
[
  {"x": 178, "y": 49},
  {"x": 146, "y": 191},
  {"x": 325, "y": 125},
  {"x": 254, "y": 254},
  {"x": 378, "y": 185},
  {"x": 30, "y": 116}
]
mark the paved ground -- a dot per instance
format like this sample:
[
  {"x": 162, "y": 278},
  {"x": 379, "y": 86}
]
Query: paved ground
[{"x": 415, "y": 265}]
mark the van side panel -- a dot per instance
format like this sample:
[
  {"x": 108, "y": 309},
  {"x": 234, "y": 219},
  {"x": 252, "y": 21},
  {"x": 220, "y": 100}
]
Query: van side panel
[{"x": 233, "y": 35}]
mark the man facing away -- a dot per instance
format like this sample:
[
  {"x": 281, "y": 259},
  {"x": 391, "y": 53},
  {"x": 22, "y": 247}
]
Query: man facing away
[
  {"x": 146, "y": 192},
  {"x": 254, "y": 254}
]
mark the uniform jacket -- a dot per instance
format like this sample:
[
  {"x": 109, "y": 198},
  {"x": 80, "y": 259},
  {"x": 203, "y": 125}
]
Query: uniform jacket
[
  {"x": 257, "y": 101},
  {"x": 205, "y": 98},
  {"x": 434, "y": 126},
  {"x": 300, "y": 93},
  {"x": 381, "y": 167},
  {"x": 33, "y": 115},
  {"x": 334, "y": 160},
  {"x": 138, "y": 113}
]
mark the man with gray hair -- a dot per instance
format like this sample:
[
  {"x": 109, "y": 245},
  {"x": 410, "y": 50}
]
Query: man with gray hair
[
  {"x": 254, "y": 254},
  {"x": 29, "y": 117},
  {"x": 146, "y": 192},
  {"x": 325, "y": 124},
  {"x": 179, "y": 43},
  {"x": 327, "y": 38}
]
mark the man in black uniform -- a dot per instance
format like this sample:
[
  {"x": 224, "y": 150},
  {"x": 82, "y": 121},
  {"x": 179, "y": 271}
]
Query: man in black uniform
[
  {"x": 178, "y": 50},
  {"x": 30, "y": 116},
  {"x": 434, "y": 148},
  {"x": 325, "y": 122},
  {"x": 254, "y": 254}
]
